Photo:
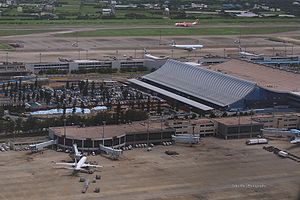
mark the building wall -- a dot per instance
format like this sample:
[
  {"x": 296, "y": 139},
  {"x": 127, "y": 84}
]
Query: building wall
[
  {"x": 202, "y": 127},
  {"x": 238, "y": 131},
  {"x": 88, "y": 144},
  {"x": 288, "y": 121},
  {"x": 97, "y": 64}
]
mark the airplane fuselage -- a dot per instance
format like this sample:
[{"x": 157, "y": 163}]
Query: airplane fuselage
[
  {"x": 188, "y": 47},
  {"x": 186, "y": 24}
]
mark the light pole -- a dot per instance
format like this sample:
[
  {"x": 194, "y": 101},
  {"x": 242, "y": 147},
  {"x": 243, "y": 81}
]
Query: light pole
[
  {"x": 104, "y": 122},
  {"x": 65, "y": 132},
  {"x": 148, "y": 132}
]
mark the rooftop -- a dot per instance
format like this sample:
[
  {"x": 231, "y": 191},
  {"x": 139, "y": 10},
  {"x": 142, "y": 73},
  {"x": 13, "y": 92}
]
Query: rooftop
[
  {"x": 208, "y": 85},
  {"x": 243, "y": 120},
  {"x": 266, "y": 77},
  {"x": 172, "y": 95},
  {"x": 95, "y": 132}
]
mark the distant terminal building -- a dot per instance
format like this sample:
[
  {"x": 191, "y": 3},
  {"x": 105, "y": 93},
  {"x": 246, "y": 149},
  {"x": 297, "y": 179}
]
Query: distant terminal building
[
  {"x": 282, "y": 62},
  {"x": 212, "y": 60},
  {"x": 77, "y": 65},
  {"x": 11, "y": 70},
  {"x": 89, "y": 138}
]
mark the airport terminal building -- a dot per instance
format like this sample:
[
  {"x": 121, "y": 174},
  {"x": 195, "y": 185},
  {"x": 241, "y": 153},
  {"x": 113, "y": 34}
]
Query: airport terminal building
[
  {"x": 205, "y": 89},
  {"x": 89, "y": 138},
  {"x": 77, "y": 65}
]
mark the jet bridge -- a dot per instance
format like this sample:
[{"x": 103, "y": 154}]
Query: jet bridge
[
  {"x": 114, "y": 153},
  {"x": 40, "y": 146}
]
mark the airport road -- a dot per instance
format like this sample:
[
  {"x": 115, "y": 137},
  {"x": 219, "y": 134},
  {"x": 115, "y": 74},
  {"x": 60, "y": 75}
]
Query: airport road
[{"x": 214, "y": 169}]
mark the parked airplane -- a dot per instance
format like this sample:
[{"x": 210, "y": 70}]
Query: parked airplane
[
  {"x": 187, "y": 24},
  {"x": 64, "y": 60},
  {"x": 148, "y": 55},
  {"x": 75, "y": 44},
  {"x": 245, "y": 53},
  {"x": 191, "y": 47},
  {"x": 80, "y": 166}
]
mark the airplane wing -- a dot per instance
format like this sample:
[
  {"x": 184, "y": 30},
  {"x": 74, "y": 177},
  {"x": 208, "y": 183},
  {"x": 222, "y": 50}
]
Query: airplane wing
[
  {"x": 64, "y": 167},
  {"x": 66, "y": 164},
  {"x": 189, "y": 49},
  {"x": 89, "y": 165}
]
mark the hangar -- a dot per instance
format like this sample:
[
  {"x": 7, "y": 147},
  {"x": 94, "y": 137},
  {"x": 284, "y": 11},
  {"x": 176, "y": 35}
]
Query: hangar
[{"x": 213, "y": 89}]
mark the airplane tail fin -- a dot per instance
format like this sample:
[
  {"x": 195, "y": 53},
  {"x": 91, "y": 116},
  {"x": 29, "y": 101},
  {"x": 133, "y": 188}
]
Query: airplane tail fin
[
  {"x": 76, "y": 149},
  {"x": 145, "y": 51},
  {"x": 173, "y": 43},
  {"x": 239, "y": 44},
  {"x": 196, "y": 22}
]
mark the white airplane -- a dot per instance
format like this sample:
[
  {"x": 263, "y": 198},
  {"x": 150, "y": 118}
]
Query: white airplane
[
  {"x": 186, "y": 138},
  {"x": 148, "y": 55},
  {"x": 75, "y": 44},
  {"x": 77, "y": 154},
  {"x": 245, "y": 53},
  {"x": 80, "y": 166},
  {"x": 190, "y": 47}
]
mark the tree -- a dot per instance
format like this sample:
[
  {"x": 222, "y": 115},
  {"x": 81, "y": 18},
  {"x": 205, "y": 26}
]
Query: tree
[
  {"x": 19, "y": 122},
  {"x": 1, "y": 112},
  {"x": 10, "y": 126},
  {"x": 23, "y": 97},
  {"x": 28, "y": 97},
  {"x": 158, "y": 107},
  {"x": 19, "y": 95},
  {"x": 35, "y": 83},
  {"x": 82, "y": 107},
  {"x": 148, "y": 104},
  {"x": 93, "y": 88},
  {"x": 67, "y": 85},
  {"x": 74, "y": 108},
  {"x": 64, "y": 109}
]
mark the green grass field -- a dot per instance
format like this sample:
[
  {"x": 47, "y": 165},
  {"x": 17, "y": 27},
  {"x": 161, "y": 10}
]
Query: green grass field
[
  {"x": 8, "y": 32},
  {"x": 5, "y": 46},
  {"x": 179, "y": 31}
]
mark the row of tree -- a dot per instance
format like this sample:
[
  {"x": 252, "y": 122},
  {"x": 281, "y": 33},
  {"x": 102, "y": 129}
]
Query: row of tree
[{"x": 32, "y": 124}]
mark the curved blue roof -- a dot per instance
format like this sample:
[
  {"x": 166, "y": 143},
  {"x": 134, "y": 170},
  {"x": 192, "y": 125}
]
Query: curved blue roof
[{"x": 211, "y": 86}]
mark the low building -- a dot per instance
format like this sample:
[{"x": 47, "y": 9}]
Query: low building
[
  {"x": 286, "y": 120},
  {"x": 238, "y": 127},
  {"x": 204, "y": 127}
]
